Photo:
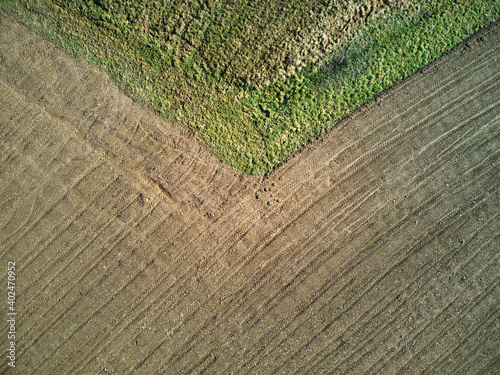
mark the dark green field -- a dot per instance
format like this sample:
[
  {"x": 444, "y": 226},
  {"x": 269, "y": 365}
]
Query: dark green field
[{"x": 256, "y": 80}]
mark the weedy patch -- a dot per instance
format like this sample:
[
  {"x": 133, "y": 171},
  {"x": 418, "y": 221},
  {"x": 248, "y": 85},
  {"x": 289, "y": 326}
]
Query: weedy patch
[{"x": 256, "y": 80}]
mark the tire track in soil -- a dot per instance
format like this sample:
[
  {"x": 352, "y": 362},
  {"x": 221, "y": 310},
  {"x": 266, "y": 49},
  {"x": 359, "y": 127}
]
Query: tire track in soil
[
  {"x": 346, "y": 309},
  {"x": 372, "y": 286},
  {"x": 475, "y": 353},
  {"x": 206, "y": 278},
  {"x": 245, "y": 288},
  {"x": 377, "y": 340},
  {"x": 449, "y": 255}
]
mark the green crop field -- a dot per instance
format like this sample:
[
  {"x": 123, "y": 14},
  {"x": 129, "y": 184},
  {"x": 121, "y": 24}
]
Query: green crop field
[{"x": 255, "y": 80}]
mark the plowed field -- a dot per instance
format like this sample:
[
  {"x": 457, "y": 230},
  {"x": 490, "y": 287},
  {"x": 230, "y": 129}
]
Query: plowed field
[{"x": 373, "y": 250}]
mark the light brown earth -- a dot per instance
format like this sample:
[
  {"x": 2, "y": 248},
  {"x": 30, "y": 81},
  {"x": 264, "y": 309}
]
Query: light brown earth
[{"x": 374, "y": 250}]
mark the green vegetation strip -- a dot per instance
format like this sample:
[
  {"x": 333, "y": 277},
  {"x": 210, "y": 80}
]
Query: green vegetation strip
[{"x": 230, "y": 71}]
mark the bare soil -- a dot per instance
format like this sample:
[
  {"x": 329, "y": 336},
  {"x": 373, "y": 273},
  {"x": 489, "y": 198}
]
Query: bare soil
[{"x": 373, "y": 250}]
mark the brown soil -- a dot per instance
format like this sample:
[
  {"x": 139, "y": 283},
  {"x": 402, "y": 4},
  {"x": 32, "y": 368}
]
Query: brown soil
[{"x": 374, "y": 250}]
